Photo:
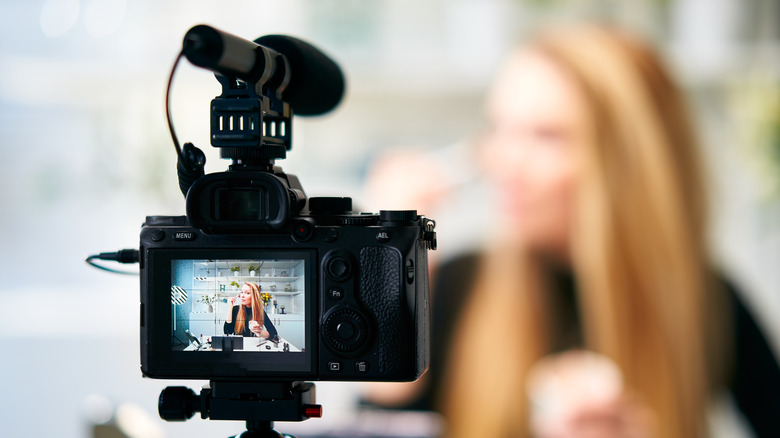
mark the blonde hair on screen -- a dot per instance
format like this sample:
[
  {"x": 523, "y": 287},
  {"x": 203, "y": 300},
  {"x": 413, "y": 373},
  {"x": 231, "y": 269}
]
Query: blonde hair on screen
[{"x": 258, "y": 314}]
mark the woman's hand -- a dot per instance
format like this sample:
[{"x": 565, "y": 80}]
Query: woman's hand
[
  {"x": 258, "y": 329},
  {"x": 229, "y": 318},
  {"x": 623, "y": 417},
  {"x": 579, "y": 394}
]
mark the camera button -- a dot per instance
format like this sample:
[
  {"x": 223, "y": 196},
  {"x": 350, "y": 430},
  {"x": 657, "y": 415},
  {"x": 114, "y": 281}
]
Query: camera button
[
  {"x": 332, "y": 235},
  {"x": 158, "y": 235},
  {"x": 383, "y": 236},
  {"x": 303, "y": 230},
  {"x": 339, "y": 268},
  {"x": 346, "y": 330},
  {"x": 361, "y": 366},
  {"x": 334, "y": 366},
  {"x": 409, "y": 271},
  {"x": 335, "y": 293}
]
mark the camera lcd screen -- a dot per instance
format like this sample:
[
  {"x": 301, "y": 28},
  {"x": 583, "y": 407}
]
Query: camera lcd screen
[
  {"x": 241, "y": 313},
  {"x": 238, "y": 305}
]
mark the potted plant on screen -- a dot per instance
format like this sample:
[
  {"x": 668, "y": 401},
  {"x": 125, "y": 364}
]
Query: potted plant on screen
[
  {"x": 266, "y": 297},
  {"x": 209, "y": 301}
]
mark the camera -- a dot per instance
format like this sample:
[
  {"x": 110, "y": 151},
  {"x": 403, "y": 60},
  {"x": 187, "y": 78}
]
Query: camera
[{"x": 258, "y": 282}]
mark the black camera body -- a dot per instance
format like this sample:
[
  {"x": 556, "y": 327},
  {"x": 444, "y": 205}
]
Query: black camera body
[
  {"x": 258, "y": 283},
  {"x": 365, "y": 296}
]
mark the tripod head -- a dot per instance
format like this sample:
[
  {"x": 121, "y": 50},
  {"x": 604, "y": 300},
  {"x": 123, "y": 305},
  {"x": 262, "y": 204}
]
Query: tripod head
[{"x": 258, "y": 403}]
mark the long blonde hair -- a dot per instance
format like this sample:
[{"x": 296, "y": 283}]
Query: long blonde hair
[
  {"x": 639, "y": 255},
  {"x": 258, "y": 313}
]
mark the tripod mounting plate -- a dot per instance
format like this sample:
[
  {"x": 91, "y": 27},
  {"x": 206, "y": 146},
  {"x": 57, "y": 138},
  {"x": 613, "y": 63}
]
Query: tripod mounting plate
[{"x": 248, "y": 401}]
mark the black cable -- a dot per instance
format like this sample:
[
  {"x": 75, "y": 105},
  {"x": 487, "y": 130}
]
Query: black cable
[
  {"x": 190, "y": 161},
  {"x": 124, "y": 256},
  {"x": 132, "y": 255},
  {"x": 168, "y": 106}
]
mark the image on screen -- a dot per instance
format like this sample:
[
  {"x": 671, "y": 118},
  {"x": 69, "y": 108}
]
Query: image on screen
[{"x": 238, "y": 305}]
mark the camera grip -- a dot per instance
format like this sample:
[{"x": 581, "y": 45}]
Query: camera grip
[{"x": 381, "y": 293}]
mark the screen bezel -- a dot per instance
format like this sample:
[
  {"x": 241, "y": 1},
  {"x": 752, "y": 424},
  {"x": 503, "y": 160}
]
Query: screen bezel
[{"x": 164, "y": 362}]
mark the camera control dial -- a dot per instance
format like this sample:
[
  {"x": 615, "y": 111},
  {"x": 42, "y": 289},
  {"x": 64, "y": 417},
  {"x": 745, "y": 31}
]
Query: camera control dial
[
  {"x": 397, "y": 217},
  {"x": 345, "y": 330},
  {"x": 362, "y": 220}
]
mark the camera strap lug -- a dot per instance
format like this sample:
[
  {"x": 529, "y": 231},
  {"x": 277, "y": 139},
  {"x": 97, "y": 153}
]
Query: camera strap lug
[{"x": 429, "y": 235}]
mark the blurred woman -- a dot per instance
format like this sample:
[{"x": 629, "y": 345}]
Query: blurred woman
[
  {"x": 248, "y": 314},
  {"x": 601, "y": 246}
]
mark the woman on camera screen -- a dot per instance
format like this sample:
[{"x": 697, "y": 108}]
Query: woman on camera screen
[
  {"x": 597, "y": 311},
  {"x": 248, "y": 314}
]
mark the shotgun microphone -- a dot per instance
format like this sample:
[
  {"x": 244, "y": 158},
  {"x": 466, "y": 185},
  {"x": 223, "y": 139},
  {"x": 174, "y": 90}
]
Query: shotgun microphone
[{"x": 308, "y": 80}]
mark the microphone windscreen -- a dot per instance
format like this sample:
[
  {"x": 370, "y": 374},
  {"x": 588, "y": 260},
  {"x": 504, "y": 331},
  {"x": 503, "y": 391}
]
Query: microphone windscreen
[{"x": 316, "y": 81}]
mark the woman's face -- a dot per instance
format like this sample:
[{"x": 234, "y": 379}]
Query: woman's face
[
  {"x": 245, "y": 295},
  {"x": 536, "y": 134}
]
